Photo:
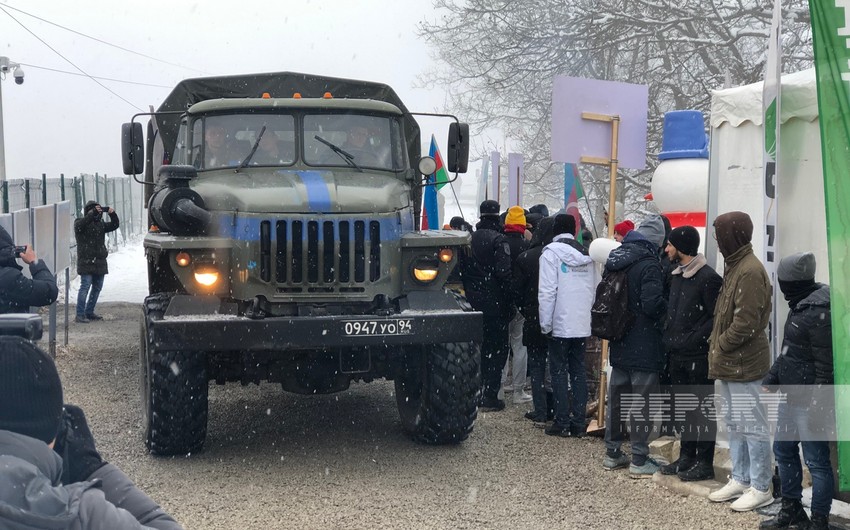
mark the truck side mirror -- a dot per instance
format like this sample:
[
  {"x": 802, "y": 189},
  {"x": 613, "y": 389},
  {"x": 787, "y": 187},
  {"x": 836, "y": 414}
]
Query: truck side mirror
[
  {"x": 458, "y": 147},
  {"x": 132, "y": 148}
]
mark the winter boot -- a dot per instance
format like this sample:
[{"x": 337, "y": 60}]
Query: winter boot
[
  {"x": 819, "y": 522},
  {"x": 682, "y": 463},
  {"x": 698, "y": 471},
  {"x": 791, "y": 515}
]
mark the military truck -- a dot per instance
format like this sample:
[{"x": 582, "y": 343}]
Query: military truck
[{"x": 284, "y": 246}]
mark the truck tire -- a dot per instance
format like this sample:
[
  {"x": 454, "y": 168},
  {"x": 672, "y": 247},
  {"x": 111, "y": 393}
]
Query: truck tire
[
  {"x": 174, "y": 391},
  {"x": 438, "y": 392}
]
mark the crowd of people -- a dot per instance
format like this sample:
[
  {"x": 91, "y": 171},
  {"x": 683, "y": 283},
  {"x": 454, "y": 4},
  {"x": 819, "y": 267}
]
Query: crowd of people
[
  {"x": 692, "y": 335},
  {"x": 695, "y": 337}
]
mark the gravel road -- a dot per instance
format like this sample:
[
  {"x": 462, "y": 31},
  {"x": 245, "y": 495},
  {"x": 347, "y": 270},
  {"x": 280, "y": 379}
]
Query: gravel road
[{"x": 278, "y": 460}]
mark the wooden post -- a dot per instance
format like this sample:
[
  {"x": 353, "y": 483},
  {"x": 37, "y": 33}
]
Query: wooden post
[{"x": 612, "y": 162}]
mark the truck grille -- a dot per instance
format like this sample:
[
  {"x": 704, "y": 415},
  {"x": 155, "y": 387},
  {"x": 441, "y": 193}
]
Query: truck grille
[{"x": 314, "y": 252}]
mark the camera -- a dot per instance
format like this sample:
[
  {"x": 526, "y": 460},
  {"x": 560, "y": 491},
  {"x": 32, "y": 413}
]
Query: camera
[
  {"x": 28, "y": 326},
  {"x": 20, "y": 250},
  {"x": 19, "y": 75}
]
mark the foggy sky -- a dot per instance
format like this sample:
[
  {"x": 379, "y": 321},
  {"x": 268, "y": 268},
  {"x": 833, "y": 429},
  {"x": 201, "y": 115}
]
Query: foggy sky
[{"x": 57, "y": 123}]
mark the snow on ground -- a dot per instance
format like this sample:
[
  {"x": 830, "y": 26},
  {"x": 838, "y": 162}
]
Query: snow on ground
[{"x": 127, "y": 280}]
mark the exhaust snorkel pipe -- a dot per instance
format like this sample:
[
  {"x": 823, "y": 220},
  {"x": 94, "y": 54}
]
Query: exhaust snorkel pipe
[{"x": 177, "y": 208}]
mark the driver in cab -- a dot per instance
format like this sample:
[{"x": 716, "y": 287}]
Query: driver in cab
[{"x": 220, "y": 149}]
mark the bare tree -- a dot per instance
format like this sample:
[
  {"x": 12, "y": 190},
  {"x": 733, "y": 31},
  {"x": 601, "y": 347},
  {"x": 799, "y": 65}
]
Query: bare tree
[{"x": 499, "y": 58}]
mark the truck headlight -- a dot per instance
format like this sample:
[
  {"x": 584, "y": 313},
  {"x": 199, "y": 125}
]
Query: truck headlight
[
  {"x": 426, "y": 270},
  {"x": 206, "y": 276}
]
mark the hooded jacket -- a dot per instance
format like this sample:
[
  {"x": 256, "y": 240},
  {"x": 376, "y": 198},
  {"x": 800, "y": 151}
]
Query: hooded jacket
[
  {"x": 17, "y": 292},
  {"x": 487, "y": 270},
  {"x": 807, "y": 345},
  {"x": 566, "y": 288},
  {"x": 690, "y": 309},
  {"x": 90, "y": 233},
  {"x": 641, "y": 347},
  {"x": 738, "y": 347},
  {"x": 31, "y": 496}
]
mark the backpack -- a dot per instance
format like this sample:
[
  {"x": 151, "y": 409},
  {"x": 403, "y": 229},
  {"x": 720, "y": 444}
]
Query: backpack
[{"x": 610, "y": 317}]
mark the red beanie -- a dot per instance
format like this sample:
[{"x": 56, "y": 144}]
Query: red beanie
[{"x": 624, "y": 228}]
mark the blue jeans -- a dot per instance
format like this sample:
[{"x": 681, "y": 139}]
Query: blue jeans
[
  {"x": 566, "y": 358},
  {"x": 93, "y": 282},
  {"x": 749, "y": 434},
  {"x": 792, "y": 431}
]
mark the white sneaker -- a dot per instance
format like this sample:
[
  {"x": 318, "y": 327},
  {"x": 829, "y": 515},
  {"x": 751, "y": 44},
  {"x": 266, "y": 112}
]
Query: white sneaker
[
  {"x": 521, "y": 397},
  {"x": 731, "y": 490},
  {"x": 753, "y": 499}
]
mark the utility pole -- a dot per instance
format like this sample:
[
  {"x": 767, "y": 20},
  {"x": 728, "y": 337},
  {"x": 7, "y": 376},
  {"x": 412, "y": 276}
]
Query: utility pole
[{"x": 5, "y": 67}]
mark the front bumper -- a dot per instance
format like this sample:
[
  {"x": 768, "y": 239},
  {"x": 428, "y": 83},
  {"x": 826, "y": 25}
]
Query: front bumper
[{"x": 223, "y": 333}]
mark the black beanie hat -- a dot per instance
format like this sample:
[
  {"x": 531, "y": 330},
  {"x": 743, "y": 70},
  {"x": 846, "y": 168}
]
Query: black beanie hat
[
  {"x": 489, "y": 207},
  {"x": 685, "y": 239},
  {"x": 30, "y": 390},
  {"x": 564, "y": 224},
  {"x": 89, "y": 206}
]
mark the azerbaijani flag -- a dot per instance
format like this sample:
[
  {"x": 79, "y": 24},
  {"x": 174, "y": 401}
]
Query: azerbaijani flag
[
  {"x": 440, "y": 176},
  {"x": 572, "y": 193},
  {"x": 430, "y": 208}
]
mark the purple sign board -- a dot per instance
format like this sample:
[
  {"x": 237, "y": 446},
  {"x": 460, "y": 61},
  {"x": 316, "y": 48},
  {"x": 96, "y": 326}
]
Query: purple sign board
[
  {"x": 574, "y": 137},
  {"x": 516, "y": 179}
]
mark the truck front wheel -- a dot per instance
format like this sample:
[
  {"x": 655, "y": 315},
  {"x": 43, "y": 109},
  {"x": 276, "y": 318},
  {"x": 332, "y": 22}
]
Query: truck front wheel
[
  {"x": 438, "y": 391},
  {"x": 174, "y": 392}
]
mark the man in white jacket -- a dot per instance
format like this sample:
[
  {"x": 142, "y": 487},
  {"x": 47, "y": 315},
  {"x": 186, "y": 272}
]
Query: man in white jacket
[{"x": 567, "y": 287}]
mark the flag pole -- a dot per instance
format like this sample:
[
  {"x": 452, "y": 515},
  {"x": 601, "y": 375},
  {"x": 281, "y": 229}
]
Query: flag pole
[{"x": 597, "y": 427}]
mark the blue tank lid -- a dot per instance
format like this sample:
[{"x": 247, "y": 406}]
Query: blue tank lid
[{"x": 684, "y": 135}]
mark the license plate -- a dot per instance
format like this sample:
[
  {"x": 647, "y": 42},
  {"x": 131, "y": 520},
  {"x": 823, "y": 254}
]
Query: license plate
[{"x": 377, "y": 328}]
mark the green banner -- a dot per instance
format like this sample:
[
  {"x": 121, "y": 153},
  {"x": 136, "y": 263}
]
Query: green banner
[{"x": 833, "y": 77}]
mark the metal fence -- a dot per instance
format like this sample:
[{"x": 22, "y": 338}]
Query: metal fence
[
  {"x": 41, "y": 213},
  {"x": 123, "y": 194}
]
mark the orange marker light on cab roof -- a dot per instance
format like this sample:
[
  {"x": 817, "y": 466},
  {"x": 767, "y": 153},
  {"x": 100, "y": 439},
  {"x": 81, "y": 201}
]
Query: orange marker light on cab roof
[
  {"x": 266, "y": 95},
  {"x": 296, "y": 95},
  {"x": 328, "y": 95}
]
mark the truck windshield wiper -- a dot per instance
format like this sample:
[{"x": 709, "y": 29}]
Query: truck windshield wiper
[
  {"x": 254, "y": 148},
  {"x": 345, "y": 155}
]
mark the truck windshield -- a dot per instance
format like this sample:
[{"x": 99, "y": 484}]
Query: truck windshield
[
  {"x": 227, "y": 140},
  {"x": 367, "y": 141},
  {"x": 347, "y": 140}
]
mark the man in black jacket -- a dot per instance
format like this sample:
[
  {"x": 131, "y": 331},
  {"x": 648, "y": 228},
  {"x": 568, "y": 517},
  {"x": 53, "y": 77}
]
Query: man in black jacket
[
  {"x": 526, "y": 275},
  {"x": 90, "y": 233},
  {"x": 637, "y": 358},
  {"x": 17, "y": 292},
  {"x": 487, "y": 283},
  {"x": 38, "y": 487},
  {"x": 804, "y": 372},
  {"x": 694, "y": 287}
]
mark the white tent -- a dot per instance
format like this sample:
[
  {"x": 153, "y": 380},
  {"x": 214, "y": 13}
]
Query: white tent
[{"x": 736, "y": 167}]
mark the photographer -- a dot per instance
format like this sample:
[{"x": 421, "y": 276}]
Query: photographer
[
  {"x": 51, "y": 475},
  {"x": 90, "y": 233},
  {"x": 17, "y": 292}
]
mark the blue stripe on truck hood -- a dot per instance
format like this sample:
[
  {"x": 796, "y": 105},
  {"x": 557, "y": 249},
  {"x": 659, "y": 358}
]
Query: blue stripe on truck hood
[{"x": 318, "y": 196}]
